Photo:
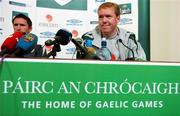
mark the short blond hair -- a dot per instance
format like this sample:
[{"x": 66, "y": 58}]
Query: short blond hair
[{"x": 110, "y": 5}]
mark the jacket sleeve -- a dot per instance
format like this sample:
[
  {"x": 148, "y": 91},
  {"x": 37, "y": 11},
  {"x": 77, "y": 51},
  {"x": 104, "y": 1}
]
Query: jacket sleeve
[{"x": 139, "y": 53}]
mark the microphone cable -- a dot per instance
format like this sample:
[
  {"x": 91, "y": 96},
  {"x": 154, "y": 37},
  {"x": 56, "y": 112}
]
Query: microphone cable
[{"x": 120, "y": 40}]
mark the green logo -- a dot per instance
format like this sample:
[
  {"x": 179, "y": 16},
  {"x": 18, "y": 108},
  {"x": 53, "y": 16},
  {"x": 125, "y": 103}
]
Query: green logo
[
  {"x": 63, "y": 4},
  {"x": 14, "y": 13},
  {"x": 125, "y": 8}
]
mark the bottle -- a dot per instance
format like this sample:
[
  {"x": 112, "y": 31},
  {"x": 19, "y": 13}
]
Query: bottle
[{"x": 103, "y": 53}]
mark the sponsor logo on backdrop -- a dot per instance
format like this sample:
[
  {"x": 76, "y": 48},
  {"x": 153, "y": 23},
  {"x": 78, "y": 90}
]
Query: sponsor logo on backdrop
[
  {"x": 75, "y": 33},
  {"x": 99, "y": 0},
  {"x": 1, "y": 31},
  {"x": 93, "y": 22},
  {"x": 125, "y": 21},
  {"x": 63, "y": 4},
  {"x": 52, "y": 25},
  {"x": 1, "y": 19},
  {"x": 18, "y": 4},
  {"x": 49, "y": 19},
  {"x": 49, "y": 48},
  {"x": 74, "y": 22},
  {"x": 14, "y": 13},
  {"x": 47, "y": 34},
  {"x": 95, "y": 10},
  {"x": 125, "y": 8},
  {"x": 70, "y": 50}
]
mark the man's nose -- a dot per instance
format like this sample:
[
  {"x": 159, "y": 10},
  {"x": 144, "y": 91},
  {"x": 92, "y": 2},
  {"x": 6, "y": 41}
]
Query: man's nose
[
  {"x": 104, "y": 19},
  {"x": 18, "y": 27}
]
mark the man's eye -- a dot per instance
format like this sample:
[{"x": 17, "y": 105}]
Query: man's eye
[
  {"x": 108, "y": 16},
  {"x": 19, "y": 24}
]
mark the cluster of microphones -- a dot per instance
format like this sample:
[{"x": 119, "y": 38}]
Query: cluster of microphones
[
  {"x": 63, "y": 37},
  {"x": 19, "y": 44}
]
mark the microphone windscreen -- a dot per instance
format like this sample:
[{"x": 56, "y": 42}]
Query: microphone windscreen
[
  {"x": 79, "y": 40},
  {"x": 63, "y": 37},
  {"x": 27, "y": 42},
  {"x": 11, "y": 42},
  {"x": 87, "y": 36},
  {"x": 49, "y": 42},
  {"x": 79, "y": 46}
]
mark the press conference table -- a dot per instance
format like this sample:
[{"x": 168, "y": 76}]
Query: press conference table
[{"x": 51, "y": 87}]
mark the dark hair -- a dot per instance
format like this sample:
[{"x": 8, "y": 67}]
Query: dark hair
[
  {"x": 29, "y": 22},
  {"x": 110, "y": 5}
]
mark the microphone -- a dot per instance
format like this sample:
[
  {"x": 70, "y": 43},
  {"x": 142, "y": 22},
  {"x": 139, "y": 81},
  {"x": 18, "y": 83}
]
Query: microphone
[
  {"x": 62, "y": 37},
  {"x": 79, "y": 40},
  {"x": 84, "y": 52},
  {"x": 49, "y": 42},
  {"x": 120, "y": 40},
  {"x": 25, "y": 45},
  {"x": 80, "y": 47},
  {"x": 9, "y": 45},
  {"x": 81, "y": 51}
]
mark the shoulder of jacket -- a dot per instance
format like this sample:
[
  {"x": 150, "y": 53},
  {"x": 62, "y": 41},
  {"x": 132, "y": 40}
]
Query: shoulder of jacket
[{"x": 127, "y": 34}]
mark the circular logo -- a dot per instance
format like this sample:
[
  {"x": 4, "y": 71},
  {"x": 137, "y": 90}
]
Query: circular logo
[
  {"x": 74, "y": 33},
  {"x": 49, "y": 18}
]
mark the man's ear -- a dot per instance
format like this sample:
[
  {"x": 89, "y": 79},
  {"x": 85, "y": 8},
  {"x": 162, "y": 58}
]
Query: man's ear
[
  {"x": 118, "y": 18},
  {"x": 30, "y": 29}
]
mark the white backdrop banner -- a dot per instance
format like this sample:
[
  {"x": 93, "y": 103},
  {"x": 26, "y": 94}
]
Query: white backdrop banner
[{"x": 77, "y": 16}]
